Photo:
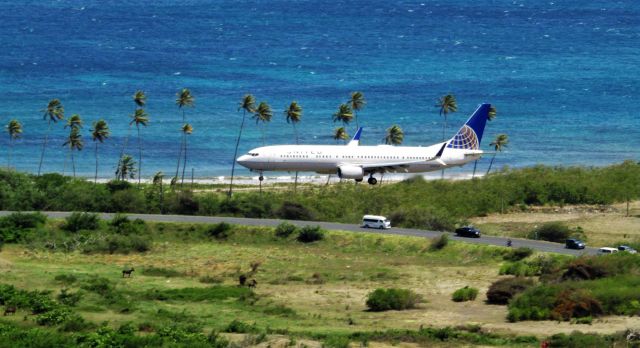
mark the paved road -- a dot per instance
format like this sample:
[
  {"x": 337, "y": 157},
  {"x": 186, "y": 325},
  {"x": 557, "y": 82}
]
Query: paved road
[{"x": 488, "y": 240}]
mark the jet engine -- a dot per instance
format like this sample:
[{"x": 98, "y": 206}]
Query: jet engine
[{"x": 350, "y": 172}]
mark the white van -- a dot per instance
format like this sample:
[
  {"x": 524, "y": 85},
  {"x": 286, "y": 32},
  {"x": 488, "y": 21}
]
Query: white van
[
  {"x": 607, "y": 251},
  {"x": 375, "y": 221}
]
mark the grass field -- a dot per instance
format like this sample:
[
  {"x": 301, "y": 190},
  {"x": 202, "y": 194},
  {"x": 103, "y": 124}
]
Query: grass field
[{"x": 308, "y": 291}]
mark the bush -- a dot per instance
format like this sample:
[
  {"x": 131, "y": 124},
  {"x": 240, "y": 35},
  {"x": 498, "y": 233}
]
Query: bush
[
  {"x": 439, "y": 243},
  {"x": 81, "y": 221},
  {"x": 578, "y": 340},
  {"x": 67, "y": 279},
  {"x": 118, "y": 244},
  {"x": 465, "y": 294},
  {"x": 519, "y": 269},
  {"x": 431, "y": 219},
  {"x": 184, "y": 203},
  {"x": 294, "y": 211},
  {"x": 219, "y": 231},
  {"x": 285, "y": 229},
  {"x": 237, "y": 326},
  {"x": 503, "y": 290},
  {"x": 22, "y": 220},
  {"x": 118, "y": 185},
  {"x": 69, "y": 298},
  {"x": 128, "y": 201},
  {"x": 122, "y": 225},
  {"x": 552, "y": 232},
  {"x": 518, "y": 254},
  {"x": 310, "y": 234},
  {"x": 53, "y": 317},
  {"x": 576, "y": 304},
  {"x": 392, "y": 299},
  {"x": 584, "y": 269}
]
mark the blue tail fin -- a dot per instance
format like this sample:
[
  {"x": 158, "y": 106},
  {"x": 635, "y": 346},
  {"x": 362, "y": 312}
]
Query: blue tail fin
[
  {"x": 470, "y": 135},
  {"x": 356, "y": 138}
]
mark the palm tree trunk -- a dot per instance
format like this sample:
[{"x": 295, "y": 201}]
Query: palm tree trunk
[
  {"x": 295, "y": 182},
  {"x": 10, "y": 154},
  {"x": 73, "y": 163},
  {"x": 139, "y": 155},
  {"x": 328, "y": 178},
  {"x": 235, "y": 154},
  {"x": 161, "y": 198},
  {"x": 356, "y": 117},
  {"x": 44, "y": 146},
  {"x": 184, "y": 163},
  {"x": 475, "y": 165},
  {"x": 491, "y": 164},
  {"x": 124, "y": 145},
  {"x": 444, "y": 129},
  {"x": 179, "y": 157},
  {"x": 95, "y": 180}
]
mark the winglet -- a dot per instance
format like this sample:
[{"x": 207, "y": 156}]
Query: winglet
[
  {"x": 470, "y": 135},
  {"x": 356, "y": 138}
]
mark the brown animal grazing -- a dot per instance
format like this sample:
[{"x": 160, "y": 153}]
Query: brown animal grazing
[
  {"x": 127, "y": 272},
  {"x": 242, "y": 279},
  {"x": 10, "y": 310},
  {"x": 252, "y": 283}
]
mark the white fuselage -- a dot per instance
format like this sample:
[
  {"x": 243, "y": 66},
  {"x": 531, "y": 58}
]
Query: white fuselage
[{"x": 328, "y": 159}]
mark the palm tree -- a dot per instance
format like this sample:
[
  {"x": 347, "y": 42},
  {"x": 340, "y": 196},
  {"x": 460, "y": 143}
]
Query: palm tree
[
  {"x": 493, "y": 112},
  {"x": 340, "y": 134},
  {"x": 263, "y": 114},
  {"x": 140, "y": 99},
  {"x": 14, "y": 128},
  {"x": 294, "y": 114},
  {"x": 248, "y": 104},
  {"x": 344, "y": 114},
  {"x": 54, "y": 112},
  {"x": 74, "y": 142},
  {"x": 126, "y": 168},
  {"x": 357, "y": 103},
  {"x": 187, "y": 129},
  {"x": 446, "y": 105},
  {"x": 184, "y": 99},
  {"x": 75, "y": 121},
  {"x": 157, "y": 181},
  {"x": 140, "y": 117},
  {"x": 99, "y": 133},
  {"x": 500, "y": 142},
  {"x": 394, "y": 136}
]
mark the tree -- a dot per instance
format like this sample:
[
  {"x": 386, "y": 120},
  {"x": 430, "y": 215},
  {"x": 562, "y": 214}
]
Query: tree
[
  {"x": 247, "y": 104},
  {"x": 54, "y": 112},
  {"x": 493, "y": 112},
  {"x": 357, "y": 103},
  {"x": 340, "y": 133},
  {"x": 74, "y": 142},
  {"x": 184, "y": 99},
  {"x": 263, "y": 114},
  {"x": 140, "y": 99},
  {"x": 293, "y": 115},
  {"x": 157, "y": 181},
  {"x": 500, "y": 142},
  {"x": 14, "y": 128},
  {"x": 99, "y": 133},
  {"x": 446, "y": 105},
  {"x": 126, "y": 168},
  {"x": 344, "y": 114},
  {"x": 394, "y": 136},
  {"x": 187, "y": 129},
  {"x": 74, "y": 122},
  {"x": 140, "y": 117}
]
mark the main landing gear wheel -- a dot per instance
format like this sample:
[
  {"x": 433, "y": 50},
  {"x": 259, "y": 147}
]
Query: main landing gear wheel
[
  {"x": 358, "y": 180},
  {"x": 261, "y": 178},
  {"x": 372, "y": 180}
]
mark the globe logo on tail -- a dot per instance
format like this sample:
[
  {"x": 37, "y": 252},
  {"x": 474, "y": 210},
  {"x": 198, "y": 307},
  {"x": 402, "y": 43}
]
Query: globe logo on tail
[{"x": 465, "y": 139}]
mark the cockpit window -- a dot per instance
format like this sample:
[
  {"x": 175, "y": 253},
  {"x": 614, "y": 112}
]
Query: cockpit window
[{"x": 254, "y": 154}]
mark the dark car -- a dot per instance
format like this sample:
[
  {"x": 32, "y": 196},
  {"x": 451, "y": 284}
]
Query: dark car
[
  {"x": 574, "y": 244},
  {"x": 628, "y": 249},
  {"x": 468, "y": 231}
]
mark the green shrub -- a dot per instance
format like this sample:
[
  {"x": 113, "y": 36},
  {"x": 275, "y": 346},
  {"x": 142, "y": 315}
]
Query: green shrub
[
  {"x": 118, "y": 185},
  {"x": 128, "y": 201},
  {"x": 503, "y": 290},
  {"x": 219, "y": 231},
  {"x": 66, "y": 279},
  {"x": 75, "y": 323},
  {"x": 23, "y": 220},
  {"x": 465, "y": 294},
  {"x": 69, "y": 298},
  {"x": 519, "y": 269},
  {"x": 81, "y": 221},
  {"x": 578, "y": 340},
  {"x": 518, "y": 254},
  {"x": 431, "y": 219},
  {"x": 552, "y": 232},
  {"x": 285, "y": 229},
  {"x": 310, "y": 234},
  {"x": 52, "y": 317},
  {"x": 439, "y": 242},
  {"x": 294, "y": 211},
  {"x": 392, "y": 299},
  {"x": 100, "y": 285},
  {"x": 183, "y": 203},
  {"x": 118, "y": 244},
  {"x": 121, "y": 224},
  {"x": 237, "y": 326}
]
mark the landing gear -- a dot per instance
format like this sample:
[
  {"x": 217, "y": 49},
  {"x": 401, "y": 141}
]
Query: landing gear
[
  {"x": 261, "y": 178},
  {"x": 358, "y": 180},
  {"x": 372, "y": 180}
]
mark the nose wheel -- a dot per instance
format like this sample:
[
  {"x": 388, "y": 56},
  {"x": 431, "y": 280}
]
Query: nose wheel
[{"x": 372, "y": 180}]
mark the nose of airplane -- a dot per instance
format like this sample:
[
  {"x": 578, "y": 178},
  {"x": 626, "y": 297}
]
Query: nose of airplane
[{"x": 243, "y": 160}]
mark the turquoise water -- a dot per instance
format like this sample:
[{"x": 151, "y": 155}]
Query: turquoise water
[{"x": 563, "y": 74}]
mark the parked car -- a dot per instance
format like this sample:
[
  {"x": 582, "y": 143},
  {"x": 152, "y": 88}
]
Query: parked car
[
  {"x": 468, "y": 231},
  {"x": 607, "y": 251},
  {"x": 574, "y": 244},
  {"x": 628, "y": 249},
  {"x": 375, "y": 221}
]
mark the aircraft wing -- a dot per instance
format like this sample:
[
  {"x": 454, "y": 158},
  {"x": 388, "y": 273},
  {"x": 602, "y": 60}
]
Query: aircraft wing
[{"x": 395, "y": 166}]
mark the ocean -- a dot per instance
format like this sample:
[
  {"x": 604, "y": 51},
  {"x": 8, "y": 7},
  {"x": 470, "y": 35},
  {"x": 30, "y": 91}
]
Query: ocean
[{"x": 564, "y": 75}]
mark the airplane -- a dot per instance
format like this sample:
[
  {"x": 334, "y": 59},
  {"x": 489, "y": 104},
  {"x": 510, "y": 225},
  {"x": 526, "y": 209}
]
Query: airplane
[{"x": 352, "y": 161}]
